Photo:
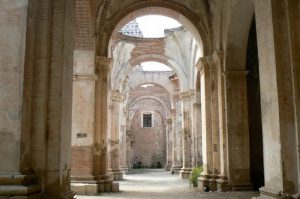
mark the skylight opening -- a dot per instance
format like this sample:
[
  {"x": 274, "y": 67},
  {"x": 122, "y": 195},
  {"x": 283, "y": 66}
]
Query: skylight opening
[
  {"x": 154, "y": 66},
  {"x": 149, "y": 26}
]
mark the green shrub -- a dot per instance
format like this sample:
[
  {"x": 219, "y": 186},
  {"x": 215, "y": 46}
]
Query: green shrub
[{"x": 194, "y": 175}]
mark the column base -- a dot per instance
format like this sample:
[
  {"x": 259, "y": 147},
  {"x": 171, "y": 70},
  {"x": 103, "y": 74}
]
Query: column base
[
  {"x": 116, "y": 174},
  {"x": 93, "y": 185},
  {"x": 125, "y": 170},
  {"x": 168, "y": 167},
  {"x": 185, "y": 173},
  {"x": 222, "y": 183},
  {"x": 16, "y": 185},
  {"x": 203, "y": 182},
  {"x": 213, "y": 182},
  {"x": 175, "y": 169},
  {"x": 266, "y": 193}
]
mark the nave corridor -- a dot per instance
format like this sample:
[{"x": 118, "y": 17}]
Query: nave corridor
[{"x": 157, "y": 183}]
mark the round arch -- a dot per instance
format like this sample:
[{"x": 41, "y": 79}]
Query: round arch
[
  {"x": 154, "y": 57},
  {"x": 147, "y": 97},
  {"x": 186, "y": 17}
]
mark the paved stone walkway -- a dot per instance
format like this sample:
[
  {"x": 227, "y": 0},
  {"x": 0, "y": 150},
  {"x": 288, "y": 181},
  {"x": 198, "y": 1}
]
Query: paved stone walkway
[{"x": 158, "y": 184}]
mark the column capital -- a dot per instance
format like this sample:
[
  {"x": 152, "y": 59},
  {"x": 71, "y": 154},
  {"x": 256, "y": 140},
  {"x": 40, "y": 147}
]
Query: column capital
[
  {"x": 186, "y": 95},
  {"x": 103, "y": 64},
  {"x": 218, "y": 56},
  {"x": 117, "y": 96},
  {"x": 197, "y": 105},
  {"x": 205, "y": 63}
]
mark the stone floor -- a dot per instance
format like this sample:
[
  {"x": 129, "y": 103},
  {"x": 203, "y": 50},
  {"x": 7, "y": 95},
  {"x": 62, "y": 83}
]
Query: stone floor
[{"x": 156, "y": 183}]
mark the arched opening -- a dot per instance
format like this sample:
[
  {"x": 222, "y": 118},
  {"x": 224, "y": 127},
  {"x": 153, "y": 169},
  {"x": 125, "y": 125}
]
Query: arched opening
[
  {"x": 242, "y": 115},
  {"x": 254, "y": 110},
  {"x": 178, "y": 49}
]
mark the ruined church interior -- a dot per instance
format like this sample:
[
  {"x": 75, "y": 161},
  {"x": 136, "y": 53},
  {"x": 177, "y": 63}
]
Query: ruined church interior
[{"x": 87, "y": 99}]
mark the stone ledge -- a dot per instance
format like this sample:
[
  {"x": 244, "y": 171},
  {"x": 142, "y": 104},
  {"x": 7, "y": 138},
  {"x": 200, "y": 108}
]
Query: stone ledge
[
  {"x": 16, "y": 179},
  {"x": 19, "y": 190}
]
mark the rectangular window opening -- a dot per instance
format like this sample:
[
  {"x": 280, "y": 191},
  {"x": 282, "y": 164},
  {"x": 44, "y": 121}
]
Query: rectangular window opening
[{"x": 147, "y": 120}]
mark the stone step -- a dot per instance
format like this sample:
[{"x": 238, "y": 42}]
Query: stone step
[
  {"x": 17, "y": 179},
  {"x": 19, "y": 190}
]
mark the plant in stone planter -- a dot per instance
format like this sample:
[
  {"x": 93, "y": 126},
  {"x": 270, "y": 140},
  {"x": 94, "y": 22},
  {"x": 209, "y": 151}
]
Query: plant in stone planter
[{"x": 194, "y": 176}]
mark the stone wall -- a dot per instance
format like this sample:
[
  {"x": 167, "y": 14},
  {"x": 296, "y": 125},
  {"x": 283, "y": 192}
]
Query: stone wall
[{"x": 149, "y": 143}]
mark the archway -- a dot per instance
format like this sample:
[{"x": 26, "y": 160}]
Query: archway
[{"x": 238, "y": 83}]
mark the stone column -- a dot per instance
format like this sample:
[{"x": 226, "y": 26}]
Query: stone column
[
  {"x": 14, "y": 141},
  {"x": 237, "y": 130},
  {"x": 100, "y": 169},
  {"x": 123, "y": 138},
  {"x": 197, "y": 136},
  {"x": 176, "y": 127},
  {"x": 55, "y": 173},
  {"x": 186, "y": 134},
  {"x": 113, "y": 136},
  {"x": 278, "y": 35},
  {"x": 169, "y": 143},
  {"x": 210, "y": 124},
  {"x": 222, "y": 181}
]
